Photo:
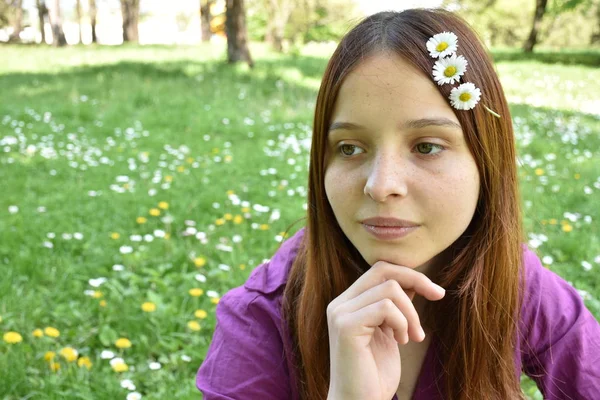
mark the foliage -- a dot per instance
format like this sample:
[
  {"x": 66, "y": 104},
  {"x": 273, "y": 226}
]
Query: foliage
[{"x": 567, "y": 23}]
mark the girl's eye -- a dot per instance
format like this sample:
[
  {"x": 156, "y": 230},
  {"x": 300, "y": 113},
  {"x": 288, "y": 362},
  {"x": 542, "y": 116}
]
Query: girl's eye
[
  {"x": 347, "y": 149},
  {"x": 426, "y": 148}
]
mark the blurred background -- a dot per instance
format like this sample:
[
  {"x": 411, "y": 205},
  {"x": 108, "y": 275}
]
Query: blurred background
[{"x": 153, "y": 153}]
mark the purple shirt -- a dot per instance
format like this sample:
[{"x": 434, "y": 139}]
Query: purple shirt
[{"x": 250, "y": 354}]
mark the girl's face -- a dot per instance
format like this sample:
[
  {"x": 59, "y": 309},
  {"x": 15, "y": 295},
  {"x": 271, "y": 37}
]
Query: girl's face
[{"x": 395, "y": 149}]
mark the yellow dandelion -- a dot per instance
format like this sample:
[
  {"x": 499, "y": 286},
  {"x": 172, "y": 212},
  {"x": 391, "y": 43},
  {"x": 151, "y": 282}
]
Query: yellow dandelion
[
  {"x": 49, "y": 356},
  {"x": 102, "y": 303},
  {"x": 238, "y": 219},
  {"x": 167, "y": 236},
  {"x": 228, "y": 217},
  {"x": 215, "y": 150},
  {"x": 168, "y": 178},
  {"x": 219, "y": 221},
  {"x": 12, "y": 337},
  {"x": 52, "y": 332},
  {"x": 54, "y": 366},
  {"x": 283, "y": 234},
  {"x": 148, "y": 307},
  {"x": 123, "y": 343},
  {"x": 115, "y": 235},
  {"x": 245, "y": 209},
  {"x": 84, "y": 362},
  {"x": 201, "y": 314},
  {"x": 141, "y": 220},
  {"x": 264, "y": 227},
  {"x": 577, "y": 176},
  {"x": 242, "y": 266},
  {"x": 97, "y": 294},
  {"x": 37, "y": 333},
  {"x": 181, "y": 168},
  {"x": 189, "y": 160},
  {"x": 163, "y": 205},
  {"x": 228, "y": 158},
  {"x": 230, "y": 192},
  {"x": 194, "y": 325},
  {"x": 567, "y": 228},
  {"x": 69, "y": 354},
  {"x": 196, "y": 292},
  {"x": 126, "y": 186},
  {"x": 539, "y": 171},
  {"x": 280, "y": 187},
  {"x": 553, "y": 221},
  {"x": 215, "y": 300},
  {"x": 0, "y": 318},
  {"x": 199, "y": 262},
  {"x": 120, "y": 367},
  {"x": 145, "y": 154},
  {"x": 155, "y": 212}
]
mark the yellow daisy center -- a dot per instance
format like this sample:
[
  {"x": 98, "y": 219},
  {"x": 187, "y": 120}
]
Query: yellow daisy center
[
  {"x": 450, "y": 71},
  {"x": 442, "y": 46},
  {"x": 465, "y": 96}
]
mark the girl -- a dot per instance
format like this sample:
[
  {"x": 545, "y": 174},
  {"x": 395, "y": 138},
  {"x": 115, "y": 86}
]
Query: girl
[{"x": 410, "y": 279}]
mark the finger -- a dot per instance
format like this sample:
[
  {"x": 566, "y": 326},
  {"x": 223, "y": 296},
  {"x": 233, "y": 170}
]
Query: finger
[
  {"x": 390, "y": 289},
  {"x": 408, "y": 279},
  {"x": 365, "y": 320}
]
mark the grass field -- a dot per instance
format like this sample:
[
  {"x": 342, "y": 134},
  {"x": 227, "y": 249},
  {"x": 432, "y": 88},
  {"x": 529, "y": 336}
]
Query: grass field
[{"x": 139, "y": 184}]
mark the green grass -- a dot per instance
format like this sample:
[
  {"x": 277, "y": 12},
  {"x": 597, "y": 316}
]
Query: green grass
[{"x": 134, "y": 126}]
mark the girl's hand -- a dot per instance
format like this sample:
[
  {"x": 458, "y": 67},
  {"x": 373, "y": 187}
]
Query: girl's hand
[{"x": 366, "y": 322}]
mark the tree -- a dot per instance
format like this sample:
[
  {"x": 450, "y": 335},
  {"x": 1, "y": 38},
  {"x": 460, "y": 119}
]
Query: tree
[
  {"x": 130, "y": 10},
  {"x": 540, "y": 9},
  {"x": 78, "y": 15},
  {"x": 205, "y": 19},
  {"x": 237, "y": 34},
  {"x": 279, "y": 12},
  {"x": 17, "y": 20},
  {"x": 93, "y": 20},
  {"x": 58, "y": 35},
  {"x": 42, "y": 13}
]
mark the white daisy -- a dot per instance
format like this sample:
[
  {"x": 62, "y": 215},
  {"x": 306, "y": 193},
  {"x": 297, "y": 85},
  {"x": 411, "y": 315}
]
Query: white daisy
[
  {"x": 442, "y": 45},
  {"x": 465, "y": 96},
  {"x": 450, "y": 69}
]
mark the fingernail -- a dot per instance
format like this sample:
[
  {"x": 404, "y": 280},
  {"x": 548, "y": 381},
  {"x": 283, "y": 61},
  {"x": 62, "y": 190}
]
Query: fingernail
[
  {"x": 422, "y": 333},
  {"x": 440, "y": 289}
]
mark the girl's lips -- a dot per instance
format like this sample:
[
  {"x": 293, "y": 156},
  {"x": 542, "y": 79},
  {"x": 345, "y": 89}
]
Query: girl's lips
[{"x": 387, "y": 232}]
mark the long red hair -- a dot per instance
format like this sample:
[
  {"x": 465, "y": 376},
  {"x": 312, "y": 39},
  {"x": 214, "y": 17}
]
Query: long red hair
[{"x": 477, "y": 321}]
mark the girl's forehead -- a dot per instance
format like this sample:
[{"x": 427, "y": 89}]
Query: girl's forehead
[{"x": 384, "y": 85}]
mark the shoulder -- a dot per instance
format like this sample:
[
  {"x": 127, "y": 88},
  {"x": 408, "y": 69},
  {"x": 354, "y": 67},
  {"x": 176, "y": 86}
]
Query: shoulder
[
  {"x": 560, "y": 338},
  {"x": 258, "y": 300},
  {"x": 250, "y": 350},
  {"x": 271, "y": 276}
]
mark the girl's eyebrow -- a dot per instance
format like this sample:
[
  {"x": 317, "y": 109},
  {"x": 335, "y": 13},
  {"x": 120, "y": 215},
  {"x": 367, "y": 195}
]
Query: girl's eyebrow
[{"x": 410, "y": 124}]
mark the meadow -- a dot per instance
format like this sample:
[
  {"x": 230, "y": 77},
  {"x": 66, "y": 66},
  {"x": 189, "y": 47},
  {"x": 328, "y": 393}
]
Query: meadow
[{"x": 140, "y": 184}]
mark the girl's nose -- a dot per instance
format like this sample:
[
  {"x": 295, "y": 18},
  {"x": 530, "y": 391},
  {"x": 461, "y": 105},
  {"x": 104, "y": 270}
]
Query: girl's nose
[{"x": 387, "y": 176}]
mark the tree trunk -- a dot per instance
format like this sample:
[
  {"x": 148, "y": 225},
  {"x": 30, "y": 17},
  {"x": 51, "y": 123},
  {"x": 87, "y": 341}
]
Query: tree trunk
[
  {"x": 78, "y": 14},
  {"x": 17, "y": 22},
  {"x": 58, "y": 35},
  {"x": 205, "y": 19},
  {"x": 237, "y": 34},
  {"x": 595, "y": 38},
  {"x": 280, "y": 12},
  {"x": 130, "y": 9},
  {"x": 93, "y": 20},
  {"x": 42, "y": 11},
  {"x": 540, "y": 9}
]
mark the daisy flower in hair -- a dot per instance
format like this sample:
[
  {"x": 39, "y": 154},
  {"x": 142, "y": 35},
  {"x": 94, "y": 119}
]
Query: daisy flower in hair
[
  {"x": 442, "y": 45},
  {"x": 450, "y": 69},
  {"x": 465, "y": 96}
]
